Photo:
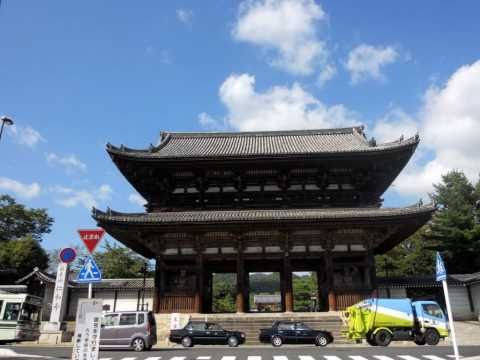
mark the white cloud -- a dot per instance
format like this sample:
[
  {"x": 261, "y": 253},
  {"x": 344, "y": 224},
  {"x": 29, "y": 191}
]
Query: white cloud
[
  {"x": 395, "y": 123},
  {"x": 326, "y": 74},
  {"x": 136, "y": 199},
  {"x": 69, "y": 162},
  {"x": 279, "y": 107},
  {"x": 69, "y": 197},
  {"x": 25, "y": 135},
  {"x": 366, "y": 62},
  {"x": 185, "y": 15},
  {"x": 27, "y": 191},
  {"x": 287, "y": 28},
  {"x": 449, "y": 122}
]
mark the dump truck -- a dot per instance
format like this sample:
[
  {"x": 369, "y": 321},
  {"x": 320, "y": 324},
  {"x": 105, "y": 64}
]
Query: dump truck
[{"x": 379, "y": 321}]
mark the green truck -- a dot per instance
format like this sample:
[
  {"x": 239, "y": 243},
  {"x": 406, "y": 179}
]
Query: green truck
[{"x": 379, "y": 321}]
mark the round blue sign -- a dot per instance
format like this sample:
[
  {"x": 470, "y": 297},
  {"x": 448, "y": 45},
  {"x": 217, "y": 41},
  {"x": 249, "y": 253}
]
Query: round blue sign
[{"x": 67, "y": 255}]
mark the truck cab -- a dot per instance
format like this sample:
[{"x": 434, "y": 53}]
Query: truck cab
[{"x": 429, "y": 315}]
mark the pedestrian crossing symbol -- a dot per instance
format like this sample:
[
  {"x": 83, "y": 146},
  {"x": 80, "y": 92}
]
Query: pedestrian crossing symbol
[{"x": 90, "y": 272}]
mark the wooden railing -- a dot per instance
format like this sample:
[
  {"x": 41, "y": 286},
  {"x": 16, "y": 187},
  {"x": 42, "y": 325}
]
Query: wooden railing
[
  {"x": 176, "y": 303},
  {"x": 345, "y": 299}
]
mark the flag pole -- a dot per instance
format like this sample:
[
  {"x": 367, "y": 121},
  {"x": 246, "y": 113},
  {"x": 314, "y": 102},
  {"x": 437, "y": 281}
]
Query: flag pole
[{"x": 450, "y": 318}]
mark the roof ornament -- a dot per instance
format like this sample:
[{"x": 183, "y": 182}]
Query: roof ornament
[
  {"x": 151, "y": 148},
  {"x": 401, "y": 138},
  {"x": 122, "y": 147},
  {"x": 417, "y": 136},
  {"x": 109, "y": 211},
  {"x": 372, "y": 142},
  {"x": 420, "y": 203}
]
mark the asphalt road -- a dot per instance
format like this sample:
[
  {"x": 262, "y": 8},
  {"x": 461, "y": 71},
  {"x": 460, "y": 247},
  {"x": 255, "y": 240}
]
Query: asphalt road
[{"x": 254, "y": 353}]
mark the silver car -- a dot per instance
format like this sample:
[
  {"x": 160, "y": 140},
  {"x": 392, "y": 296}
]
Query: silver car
[{"x": 132, "y": 329}]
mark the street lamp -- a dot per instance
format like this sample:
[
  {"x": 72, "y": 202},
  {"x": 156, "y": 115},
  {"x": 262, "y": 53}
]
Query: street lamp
[{"x": 5, "y": 121}]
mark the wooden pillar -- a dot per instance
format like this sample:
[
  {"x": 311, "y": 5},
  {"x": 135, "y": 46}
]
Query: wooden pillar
[
  {"x": 241, "y": 274},
  {"x": 240, "y": 298},
  {"x": 370, "y": 275},
  {"x": 159, "y": 284},
  {"x": 287, "y": 271},
  {"x": 199, "y": 289},
  {"x": 332, "y": 299}
]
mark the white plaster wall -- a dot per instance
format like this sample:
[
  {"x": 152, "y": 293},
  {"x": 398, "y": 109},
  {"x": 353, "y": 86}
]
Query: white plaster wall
[
  {"x": 127, "y": 300},
  {"x": 475, "y": 291},
  {"x": 395, "y": 293},
  {"x": 47, "y": 302},
  {"x": 108, "y": 297},
  {"x": 460, "y": 303}
]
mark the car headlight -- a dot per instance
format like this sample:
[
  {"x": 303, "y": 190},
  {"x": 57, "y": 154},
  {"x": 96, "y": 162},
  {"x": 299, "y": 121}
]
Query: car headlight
[{"x": 242, "y": 335}]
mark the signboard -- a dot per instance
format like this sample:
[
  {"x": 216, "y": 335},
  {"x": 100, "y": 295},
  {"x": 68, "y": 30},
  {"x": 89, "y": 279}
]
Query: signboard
[
  {"x": 59, "y": 294},
  {"x": 175, "y": 321},
  {"x": 90, "y": 272},
  {"x": 87, "y": 329},
  {"x": 441, "y": 271},
  {"x": 91, "y": 237},
  {"x": 67, "y": 255}
]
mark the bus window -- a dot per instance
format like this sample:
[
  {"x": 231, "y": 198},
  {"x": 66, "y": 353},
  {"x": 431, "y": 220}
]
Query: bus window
[
  {"x": 29, "y": 312},
  {"x": 12, "y": 310}
]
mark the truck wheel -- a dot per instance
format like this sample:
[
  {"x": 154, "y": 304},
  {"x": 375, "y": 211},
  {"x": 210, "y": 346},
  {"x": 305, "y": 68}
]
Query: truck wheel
[
  {"x": 383, "y": 337},
  {"x": 277, "y": 341},
  {"x": 432, "y": 337},
  {"x": 419, "y": 339},
  {"x": 187, "y": 341},
  {"x": 371, "y": 341}
]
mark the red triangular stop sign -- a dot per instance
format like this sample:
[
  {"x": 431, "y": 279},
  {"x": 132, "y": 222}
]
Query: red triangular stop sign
[{"x": 91, "y": 237}]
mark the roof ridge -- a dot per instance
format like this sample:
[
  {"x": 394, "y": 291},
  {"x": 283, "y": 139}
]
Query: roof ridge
[{"x": 344, "y": 130}]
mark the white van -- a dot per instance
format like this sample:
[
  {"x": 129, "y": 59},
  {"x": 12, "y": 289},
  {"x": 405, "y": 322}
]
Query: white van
[{"x": 19, "y": 317}]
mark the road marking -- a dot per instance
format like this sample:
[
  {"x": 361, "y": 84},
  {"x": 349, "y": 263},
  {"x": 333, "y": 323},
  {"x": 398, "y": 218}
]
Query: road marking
[
  {"x": 105, "y": 359},
  {"x": 357, "y": 357},
  {"x": 382, "y": 357},
  {"x": 178, "y": 358},
  {"x": 228, "y": 357},
  {"x": 408, "y": 357},
  {"x": 129, "y": 358},
  {"x": 280, "y": 357},
  {"x": 331, "y": 357},
  {"x": 433, "y": 357},
  {"x": 306, "y": 357},
  {"x": 204, "y": 357},
  {"x": 453, "y": 356},
  {"x": 153, "y": 358},
  {"x": 254, "y": 358}
]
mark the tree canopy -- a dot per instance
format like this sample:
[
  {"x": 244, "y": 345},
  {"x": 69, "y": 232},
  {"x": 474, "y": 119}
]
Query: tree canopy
[
  {"x": 21, "y": 230},
  {"x": 452, "y": 231}
]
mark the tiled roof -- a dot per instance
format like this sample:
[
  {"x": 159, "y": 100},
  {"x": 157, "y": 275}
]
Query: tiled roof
[
  {"x": 268, "y": 143},
  {"x": 427, "y": 281},
  {"x": 254, "y": 215}
]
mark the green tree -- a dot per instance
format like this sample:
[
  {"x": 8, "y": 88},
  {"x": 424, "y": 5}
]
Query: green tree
[
  {"x": 412, "y": 257},
  {"x": 453, "y": 228},
  {"x": 117, "y": 261},
  {"x": 304, "y": 288},
  {"x": 223, "y": 293},
  {"x": 22, "y": 255},
  {"x": 17, "y": 221},
  {"x": 21, "y": 231}
]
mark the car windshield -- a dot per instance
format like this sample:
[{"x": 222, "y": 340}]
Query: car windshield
[{"x": 433, "y": 310}]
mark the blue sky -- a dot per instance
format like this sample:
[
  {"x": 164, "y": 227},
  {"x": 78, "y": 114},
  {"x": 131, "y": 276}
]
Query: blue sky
[{"x": 76, "y": 75}]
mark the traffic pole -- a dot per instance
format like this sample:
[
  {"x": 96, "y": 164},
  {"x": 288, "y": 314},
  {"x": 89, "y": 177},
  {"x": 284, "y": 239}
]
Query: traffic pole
[
  {"x": 450, "y": 318},
  {"x": 90, "y": 291}
]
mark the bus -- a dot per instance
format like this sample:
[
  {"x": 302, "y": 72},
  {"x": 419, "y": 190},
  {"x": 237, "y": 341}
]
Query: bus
[{"x": 19, "y": 317}]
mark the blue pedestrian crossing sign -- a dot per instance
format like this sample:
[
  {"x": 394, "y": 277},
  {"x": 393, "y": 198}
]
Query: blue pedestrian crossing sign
[
  {"x": 441, "y": 271},
  {"x": 90, "y": 272}
]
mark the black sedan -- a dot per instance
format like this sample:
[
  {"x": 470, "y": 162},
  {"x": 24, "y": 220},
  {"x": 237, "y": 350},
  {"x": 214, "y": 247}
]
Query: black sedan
[
  {"x": 289, "y": 332},
  {"x": 205, "y": 333}
]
